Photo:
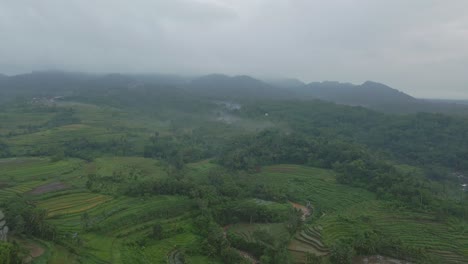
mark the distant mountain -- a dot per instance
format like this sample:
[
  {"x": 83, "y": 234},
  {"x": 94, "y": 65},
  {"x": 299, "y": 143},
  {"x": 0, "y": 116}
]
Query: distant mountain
[
  {"x": 448, "y": 101},
  {"x": 112, "y": 80},
  {"x": 287, "y": 83},
  {"x": 376, "y": 96},
  {"x": 162, "y": 79},
  {"x": 368, "y": 94},
  {"x": 35, "y": 84},
  {"x": 219, "y": 86}
]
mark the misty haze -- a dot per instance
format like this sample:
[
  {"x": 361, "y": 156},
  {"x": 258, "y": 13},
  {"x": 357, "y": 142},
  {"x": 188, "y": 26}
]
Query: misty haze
[{"x": 250, "y": 131}]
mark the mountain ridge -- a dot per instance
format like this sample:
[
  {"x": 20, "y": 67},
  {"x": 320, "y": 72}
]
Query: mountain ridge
[{"x": 369, "y": 94}]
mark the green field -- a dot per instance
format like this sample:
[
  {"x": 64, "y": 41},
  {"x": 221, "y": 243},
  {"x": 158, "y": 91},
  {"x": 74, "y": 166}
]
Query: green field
[
  {"x": 28, "y": 169},
  {"x": 121, "y": 185},
  {"x": 116, "y": 224},
  {"x": 245, "y": 230},
  {"x": 338, "y": 209}
]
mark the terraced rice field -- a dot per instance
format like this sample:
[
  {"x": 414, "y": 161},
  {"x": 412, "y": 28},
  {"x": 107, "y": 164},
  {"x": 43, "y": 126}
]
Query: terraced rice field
[
  {"x": 307, "y": 241},
  {"x": 44, "y": 139},
  {"x": 174, "y": 257},
  {"x": 338, "y": 205},
  {"x": 50, "y": 187},
  {"x": 11, "y": 192},
  {"x": 159, "y": 251},
  {"x": 311, "y": 184},
  {"x": 116, "y": 223},
  {"x": 15, "y": 120},
  {"x": 442, "y": 240},
  {"x": 245, "y": 230},
  {"x": 145, "y": 167},
  {"x": 30, "y": 169},
  {"x": 110, "y": 117},
  {"x": 72, "y": 203}
]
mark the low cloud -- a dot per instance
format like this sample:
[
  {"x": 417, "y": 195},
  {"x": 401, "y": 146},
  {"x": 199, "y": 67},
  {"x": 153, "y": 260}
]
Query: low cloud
[{"x": 418, "y": 46}]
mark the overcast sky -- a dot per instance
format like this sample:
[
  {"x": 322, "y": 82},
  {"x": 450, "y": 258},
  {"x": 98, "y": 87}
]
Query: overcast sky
[{"x": 417, "y": 46}]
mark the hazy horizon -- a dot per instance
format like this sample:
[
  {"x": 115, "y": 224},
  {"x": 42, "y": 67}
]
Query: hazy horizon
[{"x": 418, "y": 47}]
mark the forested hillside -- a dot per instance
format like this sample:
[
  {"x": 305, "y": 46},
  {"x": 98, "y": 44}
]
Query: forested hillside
[{"x": 217, "y": 169}]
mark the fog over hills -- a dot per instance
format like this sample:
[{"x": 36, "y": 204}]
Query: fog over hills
[
  {"x": 242, "y": 87},
  {"x": 285, "y": 82}
]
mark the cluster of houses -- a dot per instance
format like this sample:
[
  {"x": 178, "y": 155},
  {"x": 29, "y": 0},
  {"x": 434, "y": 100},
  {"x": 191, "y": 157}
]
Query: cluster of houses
[{"x": 46, "y": 100}]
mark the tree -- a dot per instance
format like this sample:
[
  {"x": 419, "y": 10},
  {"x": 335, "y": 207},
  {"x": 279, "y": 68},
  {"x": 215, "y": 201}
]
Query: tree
[
  {"x": 85, "y": 220},
  {"x": 9, "y": 253},
  {"x": 4, "y": 150},
  {"x": 294, "y": 221},
  {"x": 157, "y": 231},
  {"x": 230, "y": 256},
  {"x": 342, "y": 252}
]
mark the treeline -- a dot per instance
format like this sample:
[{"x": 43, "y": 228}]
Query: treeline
[
  {"x": 26, "y": 219},
  {"x": 10, "y": 253},
  {"x": 249, "y": 151},
  {"x": 216, "y": 242},
  {"x": 419, "y": 139},
  {"x": 83, "y": 148},
  {"x": 177, "y": 150},
  {"x": 4, "y": 150},
  {"x": 355, "y": 164}
]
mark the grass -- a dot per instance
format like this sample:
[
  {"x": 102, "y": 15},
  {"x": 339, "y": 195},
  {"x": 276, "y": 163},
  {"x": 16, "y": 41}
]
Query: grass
[
  {"x": 342, "y": 207},
  {"x": 46, "y": 139},
  {"x": 61, "y": 255},
  {"x": 245, "y": 231},
  {"x": 304, "y": 184},
  {"x": 415, "y": 229},
  {"x": 28, "y": 169},
  {"x": 158, "y": 251},
  {"x": 146, "y": 168},
  {"x": 117, "y": 223},
  {"x": 16, "y": 120},
  {"x": 72, "y": 203},
  {"x": 10, "y": 192},
  {"x": 199, "y": 170}
]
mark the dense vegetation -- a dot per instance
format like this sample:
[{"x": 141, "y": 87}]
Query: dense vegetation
[{"x": 110, "y": 170}]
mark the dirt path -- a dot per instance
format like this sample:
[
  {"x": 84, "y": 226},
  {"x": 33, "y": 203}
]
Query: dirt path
[
  {"x": 35, "y": 251},
  {"x": 305, "y": 211},
  {"x": 54, "y": 186}
]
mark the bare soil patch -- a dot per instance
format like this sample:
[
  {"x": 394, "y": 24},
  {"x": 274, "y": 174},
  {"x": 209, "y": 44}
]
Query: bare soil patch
[
  {"x": 35, "y": 251},
  {"x": 377, "y": 259},
  {"x": 281, "y": 169},
  {"x": 54, "y": 186},
  {"x": 305, "y": 211}
]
